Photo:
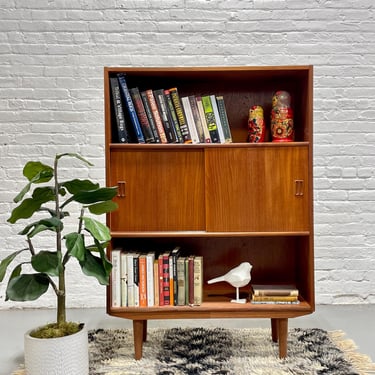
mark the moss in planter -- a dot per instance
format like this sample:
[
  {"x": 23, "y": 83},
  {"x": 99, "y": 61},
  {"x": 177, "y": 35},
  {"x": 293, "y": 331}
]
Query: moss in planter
[{"x": 54, "y": 330}]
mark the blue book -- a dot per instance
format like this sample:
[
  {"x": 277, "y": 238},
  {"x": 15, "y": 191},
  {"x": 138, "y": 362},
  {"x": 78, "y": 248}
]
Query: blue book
[{"x": 130, "y": 107}]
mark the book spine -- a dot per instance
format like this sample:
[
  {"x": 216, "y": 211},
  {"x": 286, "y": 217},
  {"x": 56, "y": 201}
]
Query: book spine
[
  {"x": 190, "y": 119},
  {"x": 180, "y": 115},
  {"x": 151, "y": 121},
  {"x": 124, "y": 280},
  {"x": 162, "y": 107},
  {"x": 142, "y": 281},
  {"x": 173, "y": 116},
  {"x": 217, "y": 118},
  {"x": 142, "y": 116},
  {"x": 130, "y": 106},
  {"x": 181, "y": 281},
  {"x": 187, "y": 291},
  {"x": 161, "y": 281},
  {"x": 210, "y": 119},
  {"x": 129, "y": 264},
  {"x": 175, "y": 253},
  {"x": 207, "y": 138},
  {"x": 118, "y": 109},
  {"x": 197, "y": 118},
  {"x": 150, "y": 279},
  {"x": 224, "y": 119},
  {"x": 136, "y": 280},
  {"x": 275, "y": 298},
  {"x": 156, "y": 283},
  {"x": 171, "y": 281},
  {"x": 116, "y": 278},
  {"x": 156, "y": 116},
  {"x": 166, "y": 286},
  {"x": 191, "y": 280},
  {"x": 198, "y": 280}
]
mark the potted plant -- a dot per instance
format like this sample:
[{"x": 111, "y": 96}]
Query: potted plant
[{"x": 44, "y": 268}]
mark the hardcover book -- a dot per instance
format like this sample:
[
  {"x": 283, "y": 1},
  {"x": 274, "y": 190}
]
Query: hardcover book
[
  {"x": 224, "y": 119},
  {"x": 130, "y": 106},
  {"x": 151, "y": 121},
  {"x": 156, "y": 116},
  {"x": 190, "y": 119},
  {"x": 210, "y": 119},
  {"x": 118, "y": 111},
  {"x": 217, "y": 118},
  {"x": 180, "y": 115},
  {"x": 173, "y": 116},
  {"x": 142, "y": 116}
]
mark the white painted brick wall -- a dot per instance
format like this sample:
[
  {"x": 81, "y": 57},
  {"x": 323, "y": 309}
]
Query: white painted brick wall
[{"x": 52, "y": 56}]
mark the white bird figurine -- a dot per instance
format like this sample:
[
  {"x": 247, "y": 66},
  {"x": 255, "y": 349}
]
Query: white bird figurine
[{"x": 237, "y": 277}]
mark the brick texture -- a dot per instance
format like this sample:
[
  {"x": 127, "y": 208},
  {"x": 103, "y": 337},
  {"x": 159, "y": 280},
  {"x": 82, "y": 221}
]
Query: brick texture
[{"x": 52, "y": 56}]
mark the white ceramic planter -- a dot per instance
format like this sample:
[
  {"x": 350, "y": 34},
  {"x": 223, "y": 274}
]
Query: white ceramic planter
[{"x": 60, "y": 356}]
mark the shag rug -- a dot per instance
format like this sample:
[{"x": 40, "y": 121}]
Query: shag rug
[{"x": 220, "y": 351}]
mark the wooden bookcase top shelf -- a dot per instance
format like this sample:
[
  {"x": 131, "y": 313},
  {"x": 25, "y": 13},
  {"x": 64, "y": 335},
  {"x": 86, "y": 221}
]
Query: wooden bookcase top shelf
[{"x": 228, "y": 203}]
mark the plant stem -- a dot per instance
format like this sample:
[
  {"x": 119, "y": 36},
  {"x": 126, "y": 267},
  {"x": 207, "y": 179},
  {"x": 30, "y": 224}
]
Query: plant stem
[{"x": 61, "y": 310}]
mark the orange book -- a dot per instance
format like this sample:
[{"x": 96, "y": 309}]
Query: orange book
[{"x": 142, "y": 281}]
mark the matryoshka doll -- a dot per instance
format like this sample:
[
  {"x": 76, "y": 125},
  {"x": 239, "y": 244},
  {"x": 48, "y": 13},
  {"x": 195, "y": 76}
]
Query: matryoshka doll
[
  {"x": 256, "y": 126},
  {"x": 282, "y": 126}
]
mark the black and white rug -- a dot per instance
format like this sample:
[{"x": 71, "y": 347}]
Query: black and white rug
[{"x": 222, "y": 351}]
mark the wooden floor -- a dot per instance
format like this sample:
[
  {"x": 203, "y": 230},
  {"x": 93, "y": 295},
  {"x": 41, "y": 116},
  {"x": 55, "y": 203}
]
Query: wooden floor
[{"x": 356, "y": 320}]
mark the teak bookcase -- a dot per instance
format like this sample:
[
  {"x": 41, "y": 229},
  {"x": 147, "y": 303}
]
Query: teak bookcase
[{"x": 228, "y": 202}]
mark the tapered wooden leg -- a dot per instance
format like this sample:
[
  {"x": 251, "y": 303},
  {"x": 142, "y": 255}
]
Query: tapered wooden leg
[
  {"x": 283, "y": 337},
  {"x": 139, "y": 333},
  {"x": 274, "y": 328}
]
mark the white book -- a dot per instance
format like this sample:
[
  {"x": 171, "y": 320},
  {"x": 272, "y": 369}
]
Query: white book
[
  {"x": 217, "y": 117},
  {"x": 116, "y": 278},
  {"x": 150, "y": 258},
  {"x": 130, "y": 273},
  {"x": 190, "y": 119},
  {"x": 124, "y": 280}
]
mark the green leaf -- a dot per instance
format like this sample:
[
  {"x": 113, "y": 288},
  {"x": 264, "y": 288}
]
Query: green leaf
[
  {"x": 75, "y": 186},
  {"x": 36, "y": 173},
  {"x": 53, "y": 224},
  {"x": 27, "y": 287},
  {"x": 103, "y": 207},
  {"x": 30, "y": 205},
  {"x": 76, "y": 245},
  {"x": 74, "y": 155},
  {"x": 6, "y": 261},
  {"x": 93, "y": 266},
  {"x": 94, "y": 196},
  {"x": 16, "y": 272},
  {"x": 48, "y": 262},
  {"x": 97, "y": 229}
]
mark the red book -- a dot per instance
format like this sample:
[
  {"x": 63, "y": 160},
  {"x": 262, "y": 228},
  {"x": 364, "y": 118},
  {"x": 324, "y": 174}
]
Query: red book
[
  {"x": 166, "y": 286},
  {"x": 142, "y": 281},
  {"x": 191, "y": 280},
  {"x": 160, "y": 278}
]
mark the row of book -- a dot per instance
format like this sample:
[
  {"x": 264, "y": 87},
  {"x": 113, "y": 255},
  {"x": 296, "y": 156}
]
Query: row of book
[
  {"x": 162, "y": 116},
  {"x": 145, "y": 280},
  {"x": 274, "y": 294}
]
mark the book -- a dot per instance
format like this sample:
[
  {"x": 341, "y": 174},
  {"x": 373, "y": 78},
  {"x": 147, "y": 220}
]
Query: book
[
  {"x": 156, "y": 283},
  {"x": 130, "y": 274},
  {"x": 217, "y": 118},
  {"x": 274, "y": 298},
  {"x": 150, "y": 258},
  {"x": 173, "y": 116},
  {"x": 207, "y": 138},
  {"x": 124, "y": 280},
  {"x": 136, "y": 279},
  {"x": 274, "y": 290},
  {"x": 156, "y": 116},
  {"x": 181, "y": 281},
  {"x": 190, "y": 119},
  {"x": 186, "y": 136},
  {"x": 161, "y": 281},
  {"x": 210, "y": 119},
  {"x": 171, "y": 281},
  {"x": 175, "y": 253},
  {"x": 191, "y": 280},
  {"x": 197, "y": 118},
  {"x": 198, "y": 280},
  {"x": 142, "y": 281},
  {"x": 151, "y": 121},
  {"x": 224, "y": 119},
  {"x": 130, "y": 106},
  {"x": 187, "y": 291},
  {"x": 142, "y": 116},
  {"x": 116, "y": 278},
  {"x": 118, "y": 110},
  {"x": 163, "y": 111},
  {"x": 166, "y": 285}
]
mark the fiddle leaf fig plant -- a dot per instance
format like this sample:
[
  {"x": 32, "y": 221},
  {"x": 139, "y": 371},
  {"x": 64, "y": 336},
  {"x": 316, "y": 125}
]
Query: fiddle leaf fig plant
[{"x": 49, "y": 201}]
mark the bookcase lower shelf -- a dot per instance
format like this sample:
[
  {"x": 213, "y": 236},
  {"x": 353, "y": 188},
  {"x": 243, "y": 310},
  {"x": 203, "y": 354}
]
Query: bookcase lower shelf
[{"x": 279, "y": 315}]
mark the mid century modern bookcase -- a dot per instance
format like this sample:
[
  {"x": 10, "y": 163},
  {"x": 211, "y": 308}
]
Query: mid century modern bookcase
[{"x": 227, "y": 202}]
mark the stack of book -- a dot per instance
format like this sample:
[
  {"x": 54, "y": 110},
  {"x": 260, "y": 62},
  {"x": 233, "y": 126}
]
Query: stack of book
[
  {"x": 162, "y": 116},
  {"x": 274, "y": 294},
  {"x": 145, "y": 280}
]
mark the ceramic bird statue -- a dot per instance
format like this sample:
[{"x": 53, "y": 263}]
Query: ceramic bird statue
[{"x": 237, "y": 277}]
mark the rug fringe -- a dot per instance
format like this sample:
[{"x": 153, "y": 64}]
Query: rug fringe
[{"x": 361, "y": 362}]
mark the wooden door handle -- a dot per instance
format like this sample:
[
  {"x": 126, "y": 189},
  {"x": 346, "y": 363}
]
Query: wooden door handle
[
  {"x": 299, "y": 187},
  {"x": 121, "y": 191}
]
